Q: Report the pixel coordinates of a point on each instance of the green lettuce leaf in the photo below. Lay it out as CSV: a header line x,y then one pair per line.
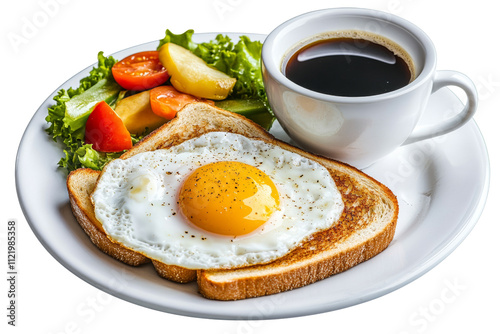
x,y
184,40
90,158
76,153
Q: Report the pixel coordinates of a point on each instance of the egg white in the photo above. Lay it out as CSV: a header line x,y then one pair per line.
x,y
136,200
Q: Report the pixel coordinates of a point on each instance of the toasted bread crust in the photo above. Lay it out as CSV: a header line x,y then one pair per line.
x,y
214,285
174,273
366,227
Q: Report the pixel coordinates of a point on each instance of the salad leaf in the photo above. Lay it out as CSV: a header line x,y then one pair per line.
x,y
184,40
246,67
91,158
79,107
62,127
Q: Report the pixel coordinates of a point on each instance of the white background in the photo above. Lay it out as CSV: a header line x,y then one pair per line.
x,y
65,37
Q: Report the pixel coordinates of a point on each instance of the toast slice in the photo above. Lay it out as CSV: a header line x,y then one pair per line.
x,y
366,227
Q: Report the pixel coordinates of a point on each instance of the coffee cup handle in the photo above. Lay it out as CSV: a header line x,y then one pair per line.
x,y
443,79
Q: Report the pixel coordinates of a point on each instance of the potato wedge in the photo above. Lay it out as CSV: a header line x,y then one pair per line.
x,y
190,74
135,112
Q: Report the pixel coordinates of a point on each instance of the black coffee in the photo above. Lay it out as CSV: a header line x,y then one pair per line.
x,y
348,67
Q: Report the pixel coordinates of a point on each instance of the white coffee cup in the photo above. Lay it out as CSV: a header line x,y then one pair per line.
x,y
358,130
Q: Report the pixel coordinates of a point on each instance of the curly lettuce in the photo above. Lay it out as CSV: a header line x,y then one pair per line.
x,y
67,127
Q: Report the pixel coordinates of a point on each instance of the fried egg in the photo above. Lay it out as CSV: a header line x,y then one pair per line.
x,y
220,200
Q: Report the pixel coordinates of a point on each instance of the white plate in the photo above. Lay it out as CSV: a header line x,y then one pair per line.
x,y
441,185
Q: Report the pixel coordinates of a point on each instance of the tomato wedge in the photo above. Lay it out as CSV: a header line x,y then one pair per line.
x,y
140,71
166,101
106,131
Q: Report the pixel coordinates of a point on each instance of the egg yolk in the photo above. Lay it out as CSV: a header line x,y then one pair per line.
x,y
228,198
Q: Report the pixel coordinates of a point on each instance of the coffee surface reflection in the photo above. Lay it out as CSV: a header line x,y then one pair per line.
x,y
348,67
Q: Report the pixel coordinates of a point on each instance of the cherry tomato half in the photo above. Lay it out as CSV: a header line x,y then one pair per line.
x,y
166,101
140,71
106,131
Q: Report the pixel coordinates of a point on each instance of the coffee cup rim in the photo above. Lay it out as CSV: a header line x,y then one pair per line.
x,y
412,29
